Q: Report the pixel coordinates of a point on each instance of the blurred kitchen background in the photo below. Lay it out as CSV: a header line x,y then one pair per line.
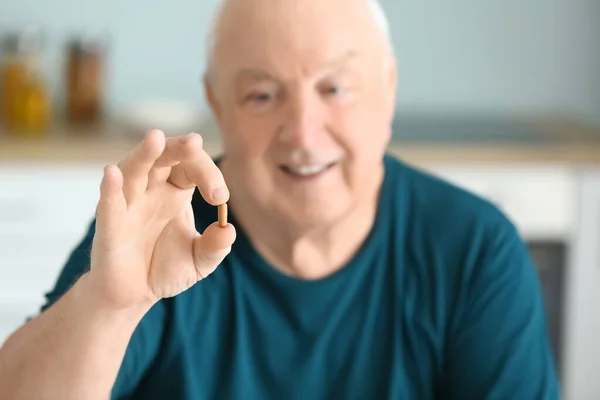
x,y
502,98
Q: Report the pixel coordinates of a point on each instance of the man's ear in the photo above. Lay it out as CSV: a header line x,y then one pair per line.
x,y
209,86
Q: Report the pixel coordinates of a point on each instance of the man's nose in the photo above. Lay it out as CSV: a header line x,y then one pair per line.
x,y
304,122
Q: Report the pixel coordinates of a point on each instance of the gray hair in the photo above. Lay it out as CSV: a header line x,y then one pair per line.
x,y
374,6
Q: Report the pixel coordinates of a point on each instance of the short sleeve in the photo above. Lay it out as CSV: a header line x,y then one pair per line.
x,y
498,346
78,263
146,339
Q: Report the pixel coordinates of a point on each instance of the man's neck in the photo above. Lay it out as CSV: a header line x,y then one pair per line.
x,y
317,253
307,253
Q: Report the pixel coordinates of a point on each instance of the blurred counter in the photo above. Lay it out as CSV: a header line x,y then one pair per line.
x,y
417,141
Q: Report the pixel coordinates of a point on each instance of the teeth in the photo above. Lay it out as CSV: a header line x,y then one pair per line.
x,y
307,169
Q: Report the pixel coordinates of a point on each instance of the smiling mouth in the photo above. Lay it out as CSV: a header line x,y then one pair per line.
x,y
306,171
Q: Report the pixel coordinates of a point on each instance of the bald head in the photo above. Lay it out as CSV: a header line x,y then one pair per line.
x,y
239,7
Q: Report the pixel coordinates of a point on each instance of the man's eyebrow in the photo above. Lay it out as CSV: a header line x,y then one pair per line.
x,y
259,74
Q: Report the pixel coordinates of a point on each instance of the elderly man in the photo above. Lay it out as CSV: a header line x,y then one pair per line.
x,y
348,275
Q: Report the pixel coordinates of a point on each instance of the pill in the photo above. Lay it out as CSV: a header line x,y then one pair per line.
x,y
223,215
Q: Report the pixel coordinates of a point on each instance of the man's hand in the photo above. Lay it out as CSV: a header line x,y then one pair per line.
x,y
146,246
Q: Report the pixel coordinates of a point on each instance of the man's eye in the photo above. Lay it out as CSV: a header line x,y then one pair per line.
x,y
260,97
332,90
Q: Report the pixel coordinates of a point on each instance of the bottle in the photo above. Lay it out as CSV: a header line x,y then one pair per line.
x,y
24,100
13,71
33,114
84,80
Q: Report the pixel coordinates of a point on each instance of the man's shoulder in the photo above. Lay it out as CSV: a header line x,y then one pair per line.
x,y
439,211
473,272
454,236
430,194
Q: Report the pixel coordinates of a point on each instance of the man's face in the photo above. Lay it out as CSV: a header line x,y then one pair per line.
x,y
304,96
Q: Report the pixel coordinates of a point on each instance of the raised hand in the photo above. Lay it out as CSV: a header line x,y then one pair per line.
x,y
146,246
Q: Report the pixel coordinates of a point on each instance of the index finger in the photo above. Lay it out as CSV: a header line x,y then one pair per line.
x,y
203,173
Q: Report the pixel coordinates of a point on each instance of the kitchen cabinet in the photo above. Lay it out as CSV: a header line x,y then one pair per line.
x,y
44,211
550,258
582,316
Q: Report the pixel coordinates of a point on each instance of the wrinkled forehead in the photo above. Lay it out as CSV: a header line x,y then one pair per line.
x,y
294,37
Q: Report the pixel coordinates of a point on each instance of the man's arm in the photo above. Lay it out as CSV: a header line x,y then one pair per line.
x,y
145,248
74,348
71,351
498,346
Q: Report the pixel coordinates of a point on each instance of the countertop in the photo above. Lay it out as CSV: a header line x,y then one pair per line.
x,y
419,141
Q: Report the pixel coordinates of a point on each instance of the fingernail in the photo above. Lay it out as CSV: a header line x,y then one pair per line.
x,y
186,138
220,194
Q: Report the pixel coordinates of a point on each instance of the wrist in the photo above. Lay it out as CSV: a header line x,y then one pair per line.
x,y
97,304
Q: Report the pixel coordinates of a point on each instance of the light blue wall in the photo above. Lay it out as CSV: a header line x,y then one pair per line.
x,y
157,45
512,55
454,56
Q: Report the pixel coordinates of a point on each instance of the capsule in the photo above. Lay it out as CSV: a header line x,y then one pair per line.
x,y
222,215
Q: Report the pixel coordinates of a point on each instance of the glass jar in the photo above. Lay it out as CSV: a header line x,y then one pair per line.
x,y
24,100
84,80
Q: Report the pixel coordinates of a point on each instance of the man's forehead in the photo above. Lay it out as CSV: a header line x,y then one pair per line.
x,y
263,40
267,72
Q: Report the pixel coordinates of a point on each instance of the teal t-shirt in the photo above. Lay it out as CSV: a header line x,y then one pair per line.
x,y
441,302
